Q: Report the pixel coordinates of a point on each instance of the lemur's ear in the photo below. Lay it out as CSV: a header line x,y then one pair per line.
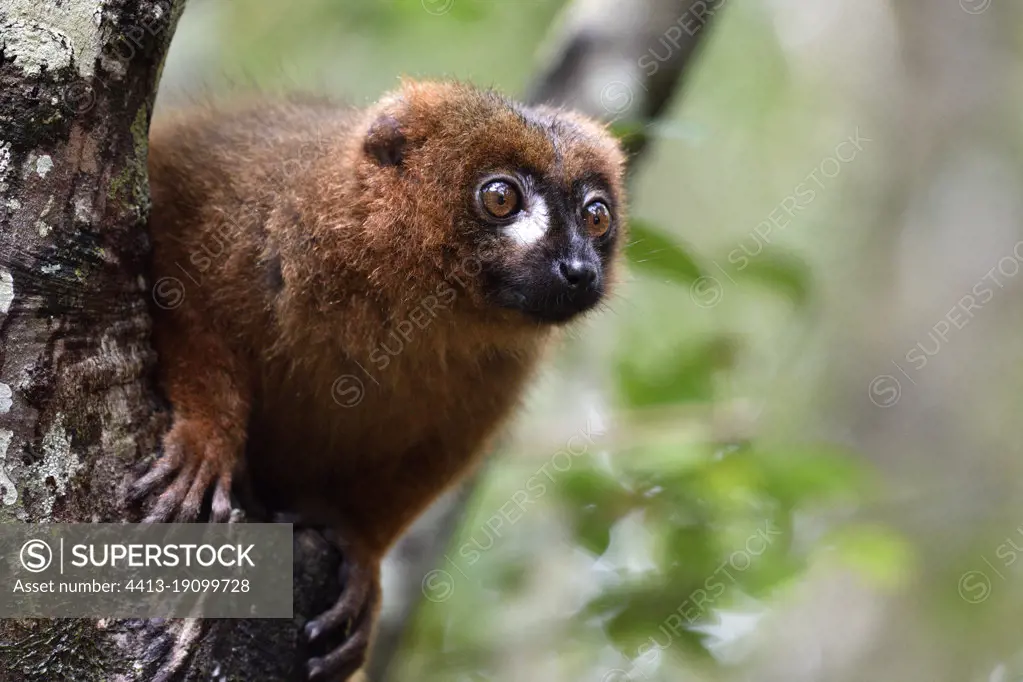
x,y
385,141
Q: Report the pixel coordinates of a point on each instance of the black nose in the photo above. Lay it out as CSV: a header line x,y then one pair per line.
x,y
578,274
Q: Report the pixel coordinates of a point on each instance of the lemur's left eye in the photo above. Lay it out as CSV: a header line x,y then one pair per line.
x,y
500,199
597,217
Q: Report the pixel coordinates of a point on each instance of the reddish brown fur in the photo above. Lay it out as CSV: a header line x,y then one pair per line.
x,y
247,196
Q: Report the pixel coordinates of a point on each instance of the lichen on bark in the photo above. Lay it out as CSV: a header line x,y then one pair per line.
x,y
77,405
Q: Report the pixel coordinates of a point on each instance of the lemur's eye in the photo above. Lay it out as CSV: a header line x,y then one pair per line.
x,y
500,199
597,217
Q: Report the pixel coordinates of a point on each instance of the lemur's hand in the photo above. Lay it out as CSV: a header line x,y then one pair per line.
x,y
350,621
198,463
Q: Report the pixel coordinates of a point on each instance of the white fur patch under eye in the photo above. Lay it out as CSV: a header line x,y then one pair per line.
x,y
531,225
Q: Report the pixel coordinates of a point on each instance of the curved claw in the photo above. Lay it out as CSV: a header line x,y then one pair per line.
x,y
155,478
170,500
342,662
351,617
220,511
194,464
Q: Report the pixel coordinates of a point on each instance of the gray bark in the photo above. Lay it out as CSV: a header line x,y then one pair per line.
x,y
78,410
76,402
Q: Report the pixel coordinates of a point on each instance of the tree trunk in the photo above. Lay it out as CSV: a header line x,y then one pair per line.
x,y
78,408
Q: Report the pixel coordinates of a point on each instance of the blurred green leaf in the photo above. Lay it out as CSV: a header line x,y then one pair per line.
x,y
651,251
685,378
585,486
665,462
690,552
627,130
784,273
804,474
593,530
878,553
594,500
655,617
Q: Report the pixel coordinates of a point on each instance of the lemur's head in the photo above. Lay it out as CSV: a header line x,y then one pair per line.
x,y
526,204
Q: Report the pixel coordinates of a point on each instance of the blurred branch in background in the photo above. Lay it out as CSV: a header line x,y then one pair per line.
x,y
621,62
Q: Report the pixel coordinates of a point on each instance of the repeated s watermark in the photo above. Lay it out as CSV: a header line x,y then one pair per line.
x,y
439,584
697,605
708,290
618,96
349,389
976,585
885,390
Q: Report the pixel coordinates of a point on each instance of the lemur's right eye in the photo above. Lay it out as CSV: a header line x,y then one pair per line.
x,y
500,199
